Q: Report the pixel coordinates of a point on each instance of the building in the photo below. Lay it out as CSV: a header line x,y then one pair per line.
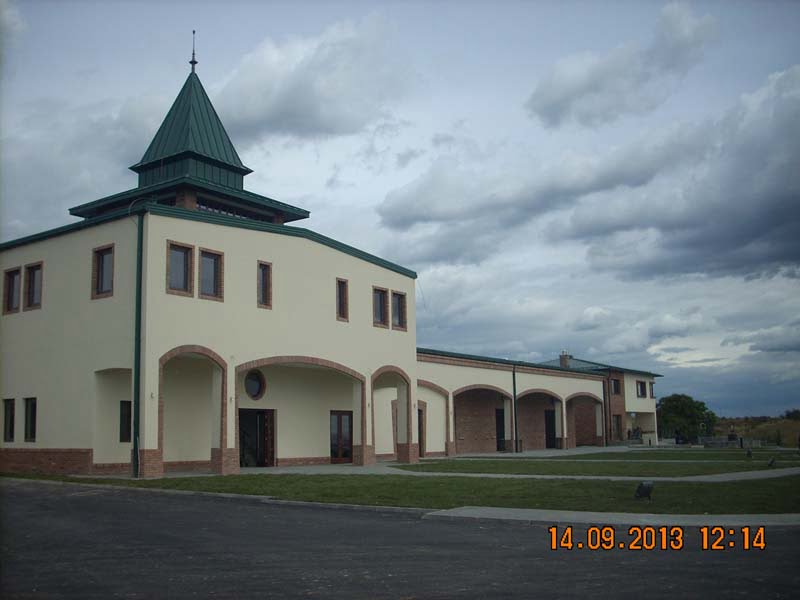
x,y
184,325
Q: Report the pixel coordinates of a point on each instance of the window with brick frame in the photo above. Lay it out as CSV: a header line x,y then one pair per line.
x,y
33,285
212,275
399,320
342,300
616,386
103,272
264,284
8,420
180,269
380,307
641,389
12,285
125,421
652,390
30,419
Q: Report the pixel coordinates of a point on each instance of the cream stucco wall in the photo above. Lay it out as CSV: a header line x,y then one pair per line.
x,y
111,387
435,426
52,353
303,399
634,404
302,320
384,440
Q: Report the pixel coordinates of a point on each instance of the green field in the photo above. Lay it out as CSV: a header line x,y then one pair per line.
x,y
781,495
523,466
759,454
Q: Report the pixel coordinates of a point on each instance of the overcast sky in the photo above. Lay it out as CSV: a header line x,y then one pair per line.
x,y
617,179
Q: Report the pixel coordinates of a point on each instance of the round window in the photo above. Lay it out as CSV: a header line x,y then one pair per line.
x,y
254,384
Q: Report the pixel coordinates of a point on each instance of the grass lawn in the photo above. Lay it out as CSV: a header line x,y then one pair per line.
x,y
759,454
781,495
523,466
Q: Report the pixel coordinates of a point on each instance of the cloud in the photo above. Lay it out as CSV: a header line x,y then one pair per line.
x,y
11,20
336,83
403,159
783,338
593,317
592,89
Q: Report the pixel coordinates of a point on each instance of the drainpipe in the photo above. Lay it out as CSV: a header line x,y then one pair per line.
x,y
137,342
514,406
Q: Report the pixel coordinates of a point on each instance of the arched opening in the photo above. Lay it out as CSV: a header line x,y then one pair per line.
x,y
433,420
395,418
191,433
539,419
584,420
299,410
483,418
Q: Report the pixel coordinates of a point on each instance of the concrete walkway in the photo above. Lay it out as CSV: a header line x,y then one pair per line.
x,y
390,469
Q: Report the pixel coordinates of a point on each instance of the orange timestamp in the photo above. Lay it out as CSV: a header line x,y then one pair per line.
x,y
646,537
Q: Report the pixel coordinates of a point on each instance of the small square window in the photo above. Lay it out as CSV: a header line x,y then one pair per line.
x,y
641,389
180,259
103,272
11,289
211,275
125,421
30,419
33,286
398,311
8,420
342,300
264,285
616,387
380,307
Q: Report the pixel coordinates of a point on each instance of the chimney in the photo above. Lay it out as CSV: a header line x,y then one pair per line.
x,y
563,359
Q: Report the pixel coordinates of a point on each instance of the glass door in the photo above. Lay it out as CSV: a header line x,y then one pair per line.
x,y
341,436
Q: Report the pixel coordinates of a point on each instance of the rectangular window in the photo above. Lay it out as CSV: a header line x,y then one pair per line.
x,y
652,390
103,272
380,307
30,419
615,386
180,265
211,275
11,288
641,389
33,286
125,421
398,310
342,300
264,284
8,420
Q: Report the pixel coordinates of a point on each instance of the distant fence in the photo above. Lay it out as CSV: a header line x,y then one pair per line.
x,y
724,442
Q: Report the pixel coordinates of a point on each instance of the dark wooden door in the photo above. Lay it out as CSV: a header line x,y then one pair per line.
x,y
500,427
341,436
269,438
256,437
549,429
421,432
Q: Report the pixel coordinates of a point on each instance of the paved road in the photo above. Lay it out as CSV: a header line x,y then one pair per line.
x,y
82,542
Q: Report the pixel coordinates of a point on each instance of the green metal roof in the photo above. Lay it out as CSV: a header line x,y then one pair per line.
x,y
588,365
196,215
501,361
90,209
192,125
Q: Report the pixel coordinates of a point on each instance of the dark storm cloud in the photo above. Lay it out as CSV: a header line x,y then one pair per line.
x,y
592,89
336,83
784,338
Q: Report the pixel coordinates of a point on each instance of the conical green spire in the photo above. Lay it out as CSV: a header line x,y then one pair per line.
x,y
191,130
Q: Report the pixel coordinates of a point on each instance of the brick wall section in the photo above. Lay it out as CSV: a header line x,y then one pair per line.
x,y
475,420
582,427
303,461
616,404
53,461
530,415
408,453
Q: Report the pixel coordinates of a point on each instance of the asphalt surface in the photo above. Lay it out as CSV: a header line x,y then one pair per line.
x,y
83,542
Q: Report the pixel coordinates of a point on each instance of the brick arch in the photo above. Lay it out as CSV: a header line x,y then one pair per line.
x,y
407,452
362,455
222,458
432,386
539,391
584,395
304,360
481,386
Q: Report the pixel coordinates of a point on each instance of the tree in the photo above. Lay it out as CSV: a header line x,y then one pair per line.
x,y
793,414
682,415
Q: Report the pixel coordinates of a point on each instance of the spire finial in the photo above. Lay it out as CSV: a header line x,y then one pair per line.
x,y
193,62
